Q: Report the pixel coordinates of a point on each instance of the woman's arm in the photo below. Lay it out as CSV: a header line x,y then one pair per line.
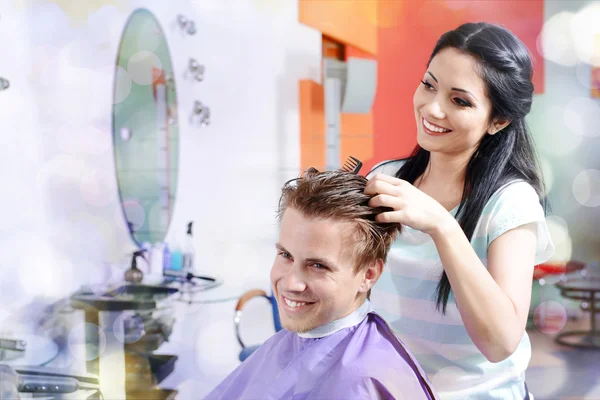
x,y
493,302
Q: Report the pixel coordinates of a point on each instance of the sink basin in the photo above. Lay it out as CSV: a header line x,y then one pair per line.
x,y
124,297
142,290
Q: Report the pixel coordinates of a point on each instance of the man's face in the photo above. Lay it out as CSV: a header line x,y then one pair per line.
x,y
313,274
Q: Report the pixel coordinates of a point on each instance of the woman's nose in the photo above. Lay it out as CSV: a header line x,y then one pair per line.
x,y
435,109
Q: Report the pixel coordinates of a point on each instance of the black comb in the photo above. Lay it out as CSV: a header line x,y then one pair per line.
x,y
352,165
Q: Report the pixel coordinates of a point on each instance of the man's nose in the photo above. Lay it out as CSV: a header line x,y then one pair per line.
x,y
294,280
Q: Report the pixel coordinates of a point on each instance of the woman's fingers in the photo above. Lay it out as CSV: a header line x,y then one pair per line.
x,y
386,178
375,187
390,217
385,200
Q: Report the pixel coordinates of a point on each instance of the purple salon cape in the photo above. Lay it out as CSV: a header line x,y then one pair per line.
x,y
356,357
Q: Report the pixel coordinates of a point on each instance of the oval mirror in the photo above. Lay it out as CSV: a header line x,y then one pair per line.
x,y
145,128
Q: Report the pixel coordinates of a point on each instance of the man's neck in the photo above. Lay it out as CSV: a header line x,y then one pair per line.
x,y
352,319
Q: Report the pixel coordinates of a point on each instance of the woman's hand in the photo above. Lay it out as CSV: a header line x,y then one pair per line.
x,y
410,206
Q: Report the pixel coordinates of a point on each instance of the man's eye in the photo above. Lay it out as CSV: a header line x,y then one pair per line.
x,y
319,266
285,254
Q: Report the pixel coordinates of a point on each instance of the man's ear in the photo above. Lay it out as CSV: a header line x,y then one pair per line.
x,y
371,275
497,125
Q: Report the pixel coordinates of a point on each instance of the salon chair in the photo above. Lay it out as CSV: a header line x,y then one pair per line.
x,y
248,350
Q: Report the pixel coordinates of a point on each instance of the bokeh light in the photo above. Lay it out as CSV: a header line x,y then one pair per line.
x,y
122,85
568,38
558,140
586,188
135,213
582,117
585,31
78,346
550,317
555,42
558,228
141,65
128,327
559,234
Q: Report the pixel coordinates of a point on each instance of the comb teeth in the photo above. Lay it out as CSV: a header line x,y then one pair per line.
x,y
352,165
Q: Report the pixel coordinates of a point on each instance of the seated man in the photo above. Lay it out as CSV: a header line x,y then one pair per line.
x,y
330,254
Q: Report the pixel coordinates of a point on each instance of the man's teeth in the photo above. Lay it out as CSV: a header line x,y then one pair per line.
x,y
293,303
434,128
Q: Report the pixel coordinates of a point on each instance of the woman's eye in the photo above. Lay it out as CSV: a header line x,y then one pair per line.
x,y
427,85
461,102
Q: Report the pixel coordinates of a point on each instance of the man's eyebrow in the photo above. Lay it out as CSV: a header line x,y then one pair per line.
x,y
313,260
278,246
325,261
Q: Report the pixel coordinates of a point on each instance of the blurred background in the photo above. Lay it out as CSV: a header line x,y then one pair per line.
x,y
170,127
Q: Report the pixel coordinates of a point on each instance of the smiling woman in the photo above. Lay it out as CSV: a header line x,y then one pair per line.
x,y
452,102
458,283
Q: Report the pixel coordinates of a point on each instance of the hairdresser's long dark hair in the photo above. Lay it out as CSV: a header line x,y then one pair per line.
x,y
506,68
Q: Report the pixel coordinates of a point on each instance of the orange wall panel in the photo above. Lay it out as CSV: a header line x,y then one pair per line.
x,y
349,21
357,137
312,125
356,130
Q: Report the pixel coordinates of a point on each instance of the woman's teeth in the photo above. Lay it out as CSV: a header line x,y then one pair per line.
x,y
433,127
293,303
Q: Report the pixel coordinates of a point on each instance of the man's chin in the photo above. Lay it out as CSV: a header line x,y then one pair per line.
x,y
299,326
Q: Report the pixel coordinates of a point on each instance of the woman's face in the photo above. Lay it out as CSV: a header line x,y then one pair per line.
x,y
452,109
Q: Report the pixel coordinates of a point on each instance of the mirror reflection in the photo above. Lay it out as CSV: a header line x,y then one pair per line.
x,y
145,128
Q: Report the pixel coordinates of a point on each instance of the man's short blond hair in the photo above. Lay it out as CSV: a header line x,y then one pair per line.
x,y
340,196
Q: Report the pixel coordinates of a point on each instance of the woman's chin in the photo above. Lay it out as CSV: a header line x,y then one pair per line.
x,y
426,143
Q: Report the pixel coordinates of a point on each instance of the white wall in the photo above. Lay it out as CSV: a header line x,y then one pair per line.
x,y
62,222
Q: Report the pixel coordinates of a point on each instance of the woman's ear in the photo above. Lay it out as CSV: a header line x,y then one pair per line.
x,y
497,125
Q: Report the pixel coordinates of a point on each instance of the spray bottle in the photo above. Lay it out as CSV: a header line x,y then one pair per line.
x,y
188,250
133,274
